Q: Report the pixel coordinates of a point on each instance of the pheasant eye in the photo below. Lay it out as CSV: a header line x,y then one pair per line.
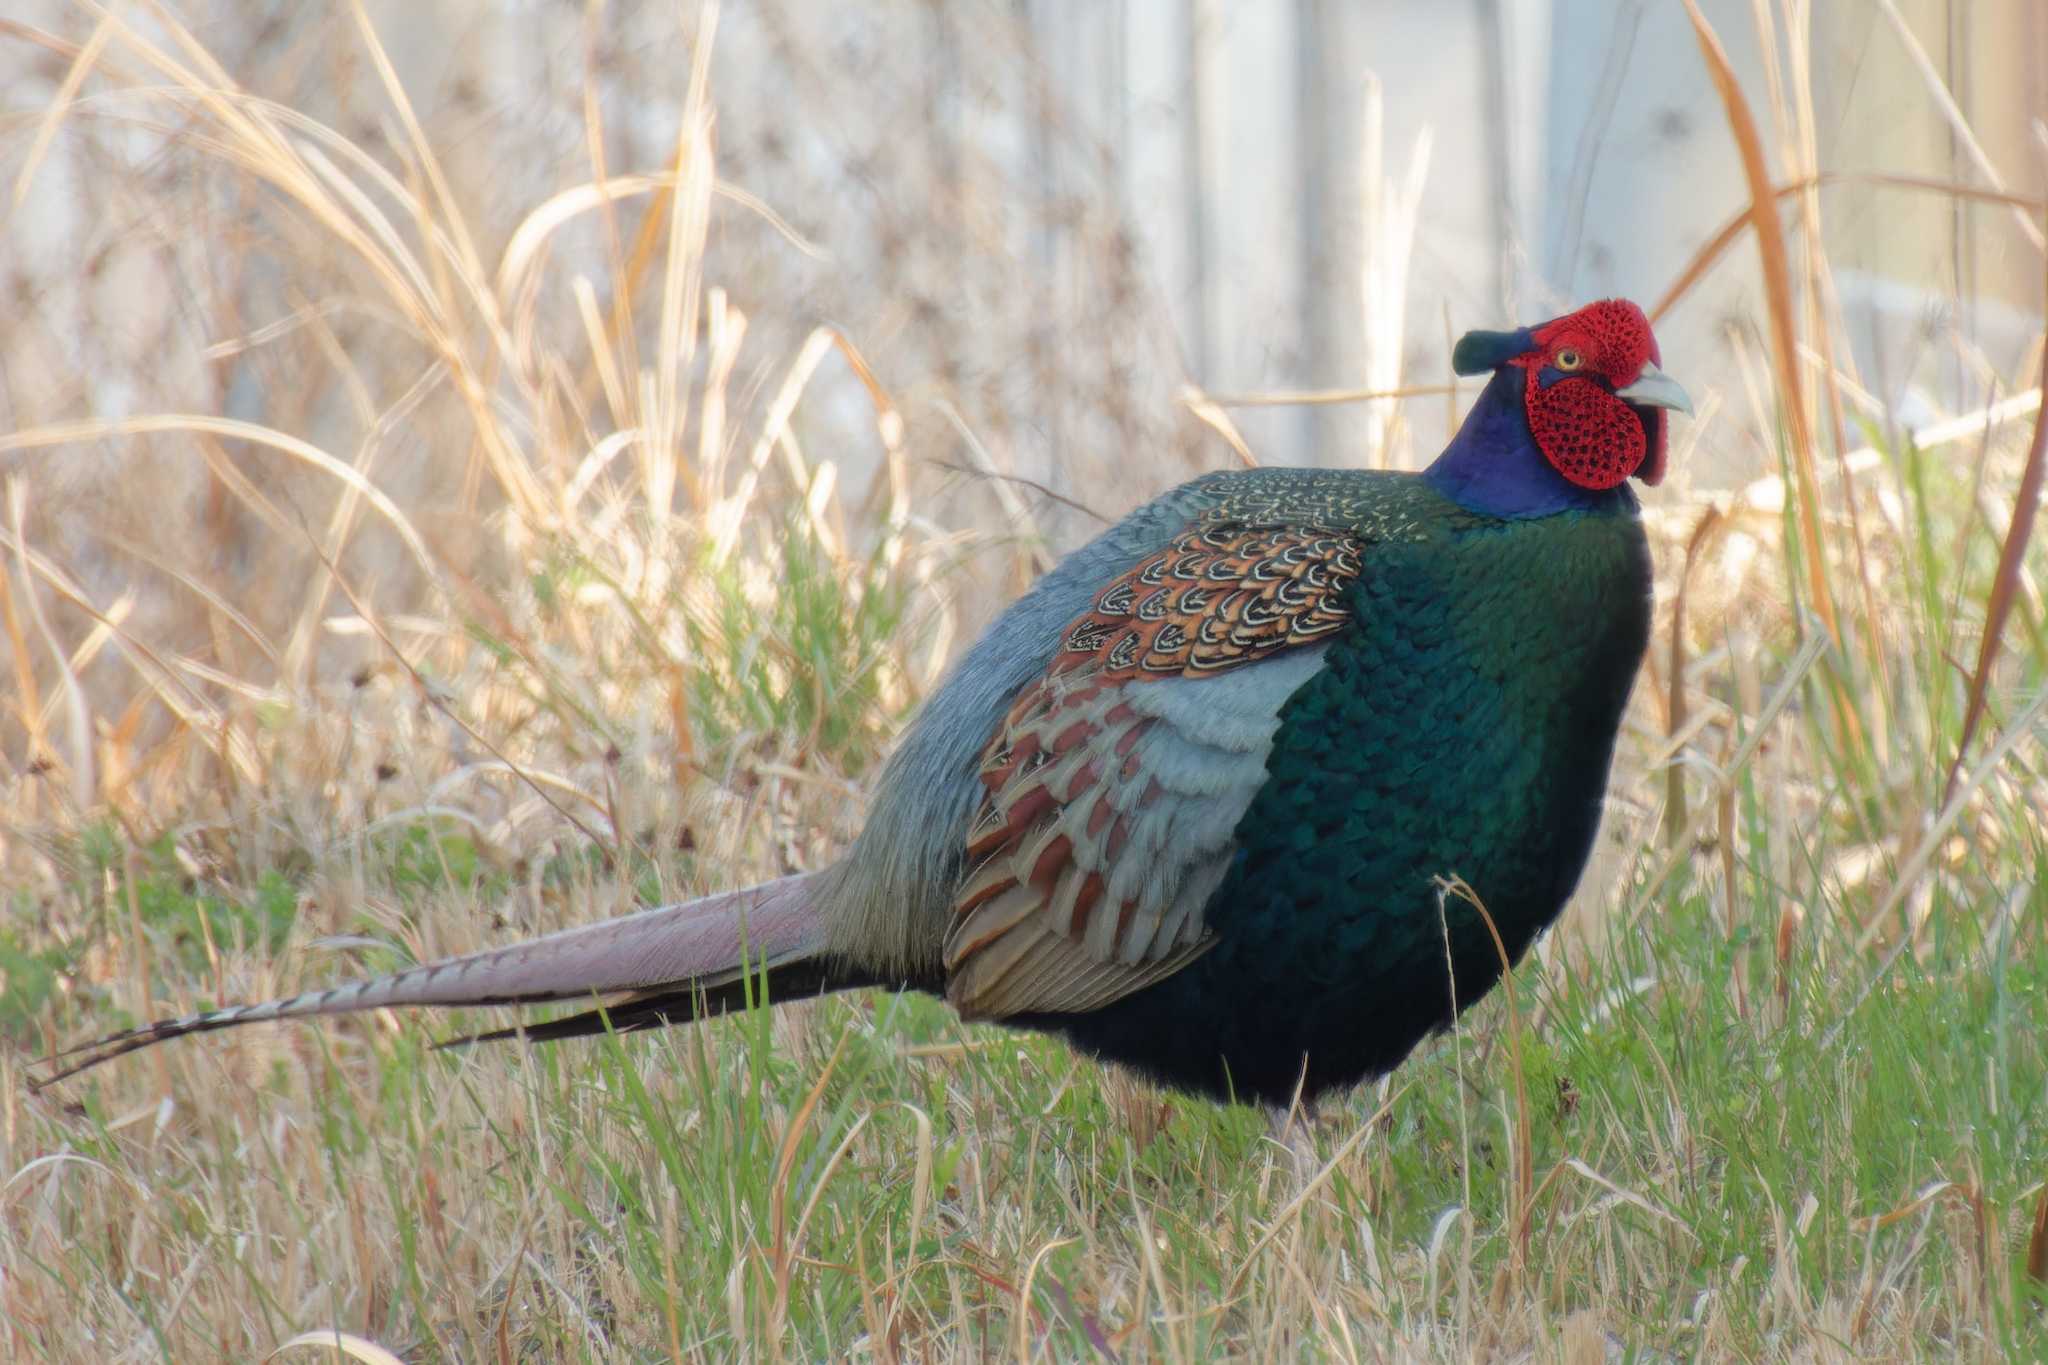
x,y
1569,359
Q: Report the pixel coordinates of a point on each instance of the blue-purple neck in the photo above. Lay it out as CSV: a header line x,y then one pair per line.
x,y
1492,465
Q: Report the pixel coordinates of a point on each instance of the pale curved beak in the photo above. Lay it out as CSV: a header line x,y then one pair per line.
x,y
1656,389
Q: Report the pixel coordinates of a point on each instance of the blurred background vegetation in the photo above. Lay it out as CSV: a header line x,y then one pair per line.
x,y
471,469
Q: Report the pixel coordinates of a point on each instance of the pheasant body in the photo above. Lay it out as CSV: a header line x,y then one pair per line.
x,y
1464,727
1191,801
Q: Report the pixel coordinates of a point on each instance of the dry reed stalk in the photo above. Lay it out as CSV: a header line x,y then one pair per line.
x,y
1770,239
1804,140
1952,114
1676,719
2004,585
1725,236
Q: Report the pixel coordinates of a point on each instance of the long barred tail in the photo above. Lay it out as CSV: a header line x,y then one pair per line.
x,y
661,959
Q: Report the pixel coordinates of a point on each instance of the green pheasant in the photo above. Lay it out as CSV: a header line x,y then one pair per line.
x,y
1188,802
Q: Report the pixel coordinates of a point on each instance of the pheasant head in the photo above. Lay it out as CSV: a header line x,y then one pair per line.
x,y
1577,406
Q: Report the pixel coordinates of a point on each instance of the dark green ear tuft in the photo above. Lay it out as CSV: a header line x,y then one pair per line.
x,y
1481,352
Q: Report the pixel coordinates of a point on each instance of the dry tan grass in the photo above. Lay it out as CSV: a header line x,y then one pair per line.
x,y
355,497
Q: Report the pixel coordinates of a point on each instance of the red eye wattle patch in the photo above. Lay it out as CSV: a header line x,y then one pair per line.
x,y
1613,334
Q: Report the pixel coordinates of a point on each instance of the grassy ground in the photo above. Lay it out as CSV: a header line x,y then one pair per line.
x,y
1645,1166
1775,1089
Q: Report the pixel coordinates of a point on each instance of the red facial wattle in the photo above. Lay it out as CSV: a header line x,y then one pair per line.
x,y
1588,434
